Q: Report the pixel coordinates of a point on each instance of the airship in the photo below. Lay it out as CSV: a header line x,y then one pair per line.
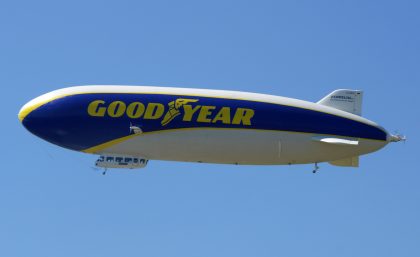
x,y
129,125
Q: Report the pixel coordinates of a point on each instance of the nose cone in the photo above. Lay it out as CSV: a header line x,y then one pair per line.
x,y
53,119
60,117
32,105
28,113
37,116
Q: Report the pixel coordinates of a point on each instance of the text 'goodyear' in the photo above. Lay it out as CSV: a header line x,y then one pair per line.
x,y
190,111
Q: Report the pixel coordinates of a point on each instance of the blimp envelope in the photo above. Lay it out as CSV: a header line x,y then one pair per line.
x,y
127,123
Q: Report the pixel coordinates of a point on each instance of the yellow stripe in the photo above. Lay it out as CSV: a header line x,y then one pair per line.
x,y
98,148
30,108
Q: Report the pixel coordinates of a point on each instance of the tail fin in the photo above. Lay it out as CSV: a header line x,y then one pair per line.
x,y
344,99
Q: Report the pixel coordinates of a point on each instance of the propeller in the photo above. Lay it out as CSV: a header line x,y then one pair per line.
x,y
135,129
397,137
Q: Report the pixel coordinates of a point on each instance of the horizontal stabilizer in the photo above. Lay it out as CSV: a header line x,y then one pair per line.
x,y
336,141
344,99
349,162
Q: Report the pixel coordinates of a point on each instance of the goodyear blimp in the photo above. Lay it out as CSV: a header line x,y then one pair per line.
x,y
129,125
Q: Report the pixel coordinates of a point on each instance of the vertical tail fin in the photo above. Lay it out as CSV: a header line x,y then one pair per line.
x,y
344,99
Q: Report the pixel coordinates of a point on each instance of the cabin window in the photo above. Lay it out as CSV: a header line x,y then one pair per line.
x,y
109,159
135,160
118,159
128,160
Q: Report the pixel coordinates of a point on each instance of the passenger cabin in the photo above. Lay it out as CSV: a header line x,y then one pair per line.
x,y
123,162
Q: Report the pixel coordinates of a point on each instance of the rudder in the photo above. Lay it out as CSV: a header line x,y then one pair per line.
x,y
344,99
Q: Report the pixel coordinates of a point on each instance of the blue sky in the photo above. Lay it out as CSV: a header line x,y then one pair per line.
x,y
54,204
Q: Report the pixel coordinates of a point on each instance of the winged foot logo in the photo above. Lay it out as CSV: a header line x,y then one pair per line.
x,y
188,108
174,110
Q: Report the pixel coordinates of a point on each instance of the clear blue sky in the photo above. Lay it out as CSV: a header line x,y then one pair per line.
x,y
53,203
